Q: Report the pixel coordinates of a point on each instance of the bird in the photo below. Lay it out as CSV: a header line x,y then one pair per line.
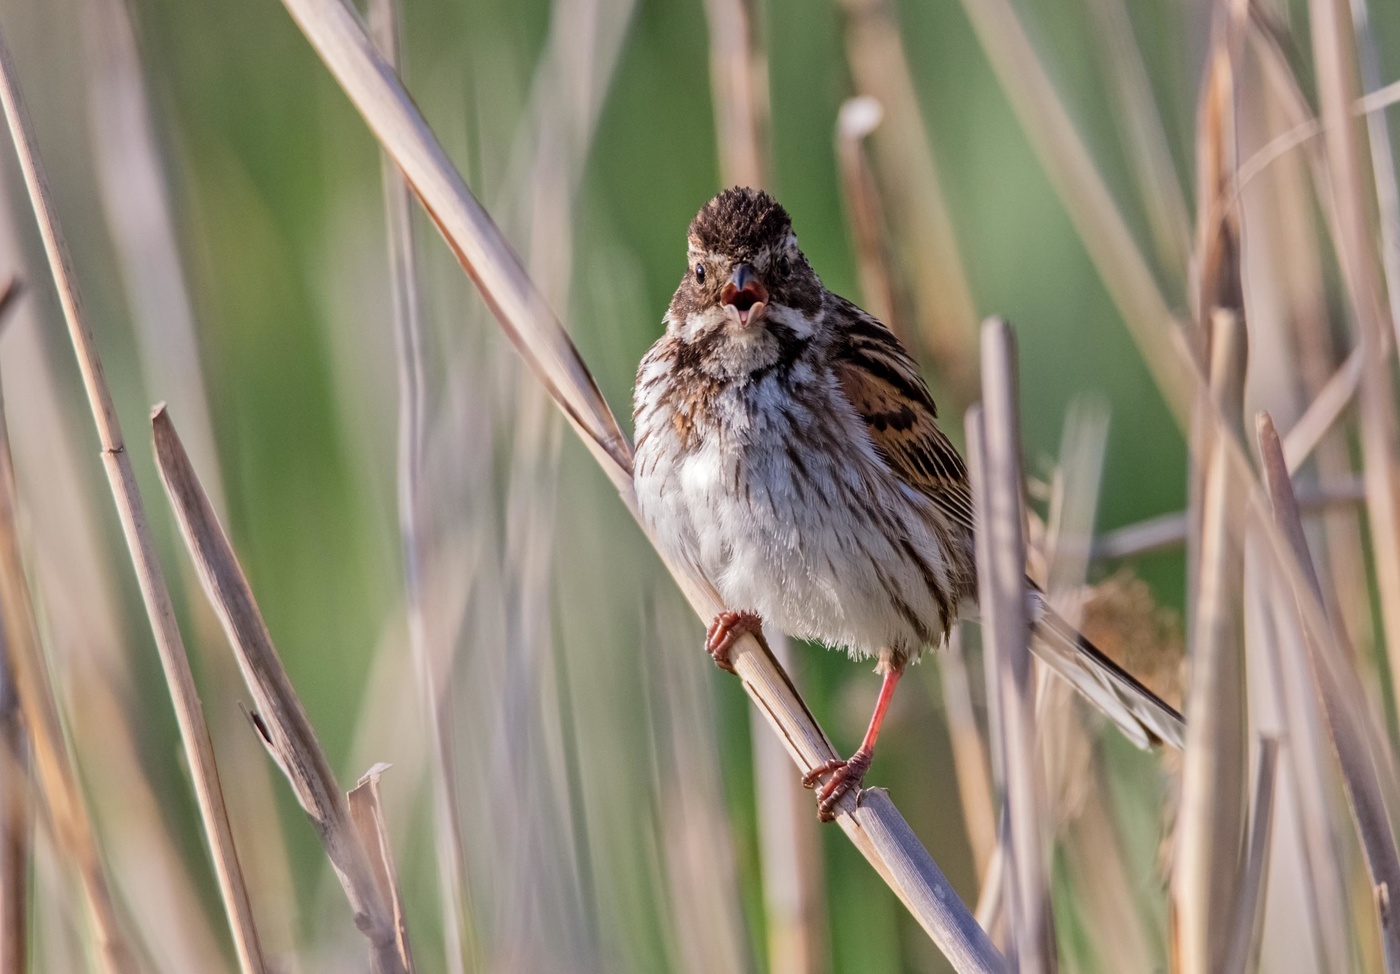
x,y
788,449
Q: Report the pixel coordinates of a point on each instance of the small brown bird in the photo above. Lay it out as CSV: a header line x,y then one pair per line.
x,y
788,449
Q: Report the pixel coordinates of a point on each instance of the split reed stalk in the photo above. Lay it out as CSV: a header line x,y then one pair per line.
x,y
278,715
194,733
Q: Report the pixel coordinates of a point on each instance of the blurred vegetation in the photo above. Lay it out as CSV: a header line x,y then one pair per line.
x,y
277,204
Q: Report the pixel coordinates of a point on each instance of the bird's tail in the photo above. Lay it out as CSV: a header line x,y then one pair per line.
x,y
1145,718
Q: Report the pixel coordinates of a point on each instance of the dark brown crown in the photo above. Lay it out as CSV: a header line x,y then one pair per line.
x,y
739,222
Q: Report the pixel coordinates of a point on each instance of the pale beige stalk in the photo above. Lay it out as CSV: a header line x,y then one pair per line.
x,y
1334,55
278,715
944,307
994,455
136,529
52,766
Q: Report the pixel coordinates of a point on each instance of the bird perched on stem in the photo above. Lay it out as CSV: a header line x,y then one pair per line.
x,y
788,448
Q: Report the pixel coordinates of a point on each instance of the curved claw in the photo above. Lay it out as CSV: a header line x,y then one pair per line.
x,y
845,775
724,630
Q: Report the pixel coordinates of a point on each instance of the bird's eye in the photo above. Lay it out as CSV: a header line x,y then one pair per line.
x,y
784,265
700,273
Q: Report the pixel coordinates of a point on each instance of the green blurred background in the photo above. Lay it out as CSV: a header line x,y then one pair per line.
x,y
570,642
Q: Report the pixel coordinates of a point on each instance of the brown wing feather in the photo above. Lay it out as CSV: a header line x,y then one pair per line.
x,y
882,382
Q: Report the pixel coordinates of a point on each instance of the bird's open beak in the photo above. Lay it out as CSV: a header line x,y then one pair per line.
x,y
744,297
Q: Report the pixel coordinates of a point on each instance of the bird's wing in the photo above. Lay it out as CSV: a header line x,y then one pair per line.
x,y
882,383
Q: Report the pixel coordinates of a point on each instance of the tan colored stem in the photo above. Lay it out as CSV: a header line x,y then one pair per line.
x,y
194,733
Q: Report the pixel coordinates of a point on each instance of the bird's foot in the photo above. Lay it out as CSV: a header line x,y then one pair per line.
x,y
726,628
845,775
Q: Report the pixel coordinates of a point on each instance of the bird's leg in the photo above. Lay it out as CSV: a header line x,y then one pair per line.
x,y
726,628
848,774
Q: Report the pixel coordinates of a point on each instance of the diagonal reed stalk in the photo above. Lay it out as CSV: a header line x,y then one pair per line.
x,y
873,824
1337,688
994,453
194,733
278,714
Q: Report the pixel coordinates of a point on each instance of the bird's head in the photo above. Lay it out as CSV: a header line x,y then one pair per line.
x,y
748,297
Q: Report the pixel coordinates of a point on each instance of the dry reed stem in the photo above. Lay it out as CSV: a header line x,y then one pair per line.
x,y
1077,792
194,733
1163,531
409,339
969,756
1210,829
53,766
137,209
994,451
739,82
368,817
1243,953
932,273
1336,77
1338,690
1088,202
1110,246
466,227
278,717
856,120
1382,161
16,812
1322,413
16,828
1312,781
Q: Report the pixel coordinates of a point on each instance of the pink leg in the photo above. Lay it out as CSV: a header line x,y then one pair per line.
x,y
725,629
846,775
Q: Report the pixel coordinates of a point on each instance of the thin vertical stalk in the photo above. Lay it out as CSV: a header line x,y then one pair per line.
x,y
194,733
384,16
739,80
1243,954
16,826
994,446
1382,161
969,756
53,767
1336,77
1206,875
942,301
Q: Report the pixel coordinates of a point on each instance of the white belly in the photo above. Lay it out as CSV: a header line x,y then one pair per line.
x,y
818,538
